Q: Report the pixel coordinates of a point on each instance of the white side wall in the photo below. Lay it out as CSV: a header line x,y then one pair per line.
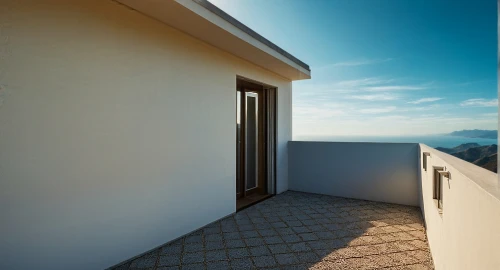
x,y
117,133
466,235
384,172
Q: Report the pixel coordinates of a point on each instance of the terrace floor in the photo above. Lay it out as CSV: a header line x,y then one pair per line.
x,y
297,230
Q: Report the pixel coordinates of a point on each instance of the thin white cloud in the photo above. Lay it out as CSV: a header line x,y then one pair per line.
x,y
363,82
361,62
392,117
378,110
467,83
339,87
424,100
314,89
479,102
375,97
422,108
394,87
367,84
315,113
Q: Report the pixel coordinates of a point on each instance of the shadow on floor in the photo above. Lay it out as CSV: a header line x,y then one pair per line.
x,y
297,230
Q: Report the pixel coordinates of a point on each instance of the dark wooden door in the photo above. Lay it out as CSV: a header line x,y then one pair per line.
x,y
250,142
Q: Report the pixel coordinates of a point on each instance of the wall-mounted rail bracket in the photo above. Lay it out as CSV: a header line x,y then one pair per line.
x,y
445,174
424,159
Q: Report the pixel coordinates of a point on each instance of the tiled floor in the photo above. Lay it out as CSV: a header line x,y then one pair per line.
x,y
302,231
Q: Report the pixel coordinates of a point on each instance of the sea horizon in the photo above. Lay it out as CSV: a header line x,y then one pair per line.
x,y
434,141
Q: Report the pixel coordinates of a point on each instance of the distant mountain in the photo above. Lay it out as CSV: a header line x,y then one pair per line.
x,y
459,148
483,156
475,153
476,133
489,162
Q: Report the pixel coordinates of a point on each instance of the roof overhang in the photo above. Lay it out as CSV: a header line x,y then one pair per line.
x,y
204,21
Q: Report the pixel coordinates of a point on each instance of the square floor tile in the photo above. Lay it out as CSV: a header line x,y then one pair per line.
x,y
221,265
273,240
196,257
235,243
169,260
287,258
309,257
252,242
216,255
244,263
237,253
214,245
264,261
259,251
249,234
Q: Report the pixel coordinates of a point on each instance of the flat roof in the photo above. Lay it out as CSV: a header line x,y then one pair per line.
x,y
206,22
230,19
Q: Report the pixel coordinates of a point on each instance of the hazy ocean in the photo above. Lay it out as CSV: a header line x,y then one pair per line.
x,y
430,140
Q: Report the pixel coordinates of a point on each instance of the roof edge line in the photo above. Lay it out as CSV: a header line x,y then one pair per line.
x,y
219,12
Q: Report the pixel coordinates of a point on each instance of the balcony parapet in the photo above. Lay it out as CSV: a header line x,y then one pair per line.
x,y
384,172
463,229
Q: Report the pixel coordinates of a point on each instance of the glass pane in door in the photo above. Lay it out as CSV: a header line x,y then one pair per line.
x,y
238,141
251,139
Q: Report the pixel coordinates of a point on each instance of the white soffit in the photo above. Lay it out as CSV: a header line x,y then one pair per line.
x,y
203,20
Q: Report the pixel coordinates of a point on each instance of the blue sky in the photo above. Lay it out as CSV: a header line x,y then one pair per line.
x,y
384,67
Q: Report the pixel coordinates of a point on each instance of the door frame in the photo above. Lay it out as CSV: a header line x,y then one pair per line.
x,y
267,102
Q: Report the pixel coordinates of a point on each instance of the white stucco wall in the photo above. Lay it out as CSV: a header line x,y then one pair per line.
x,y
384,172
117,133
466,235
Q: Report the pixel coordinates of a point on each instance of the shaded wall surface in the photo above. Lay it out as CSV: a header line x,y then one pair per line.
x,y
117,133
385,172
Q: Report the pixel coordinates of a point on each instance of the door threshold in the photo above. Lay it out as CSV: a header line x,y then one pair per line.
x,y
250,200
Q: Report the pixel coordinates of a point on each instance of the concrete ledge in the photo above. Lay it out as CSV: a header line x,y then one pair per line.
x,y
485,179
463,234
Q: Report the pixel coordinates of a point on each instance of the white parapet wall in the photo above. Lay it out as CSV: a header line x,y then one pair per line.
x,y
466,233
385,172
